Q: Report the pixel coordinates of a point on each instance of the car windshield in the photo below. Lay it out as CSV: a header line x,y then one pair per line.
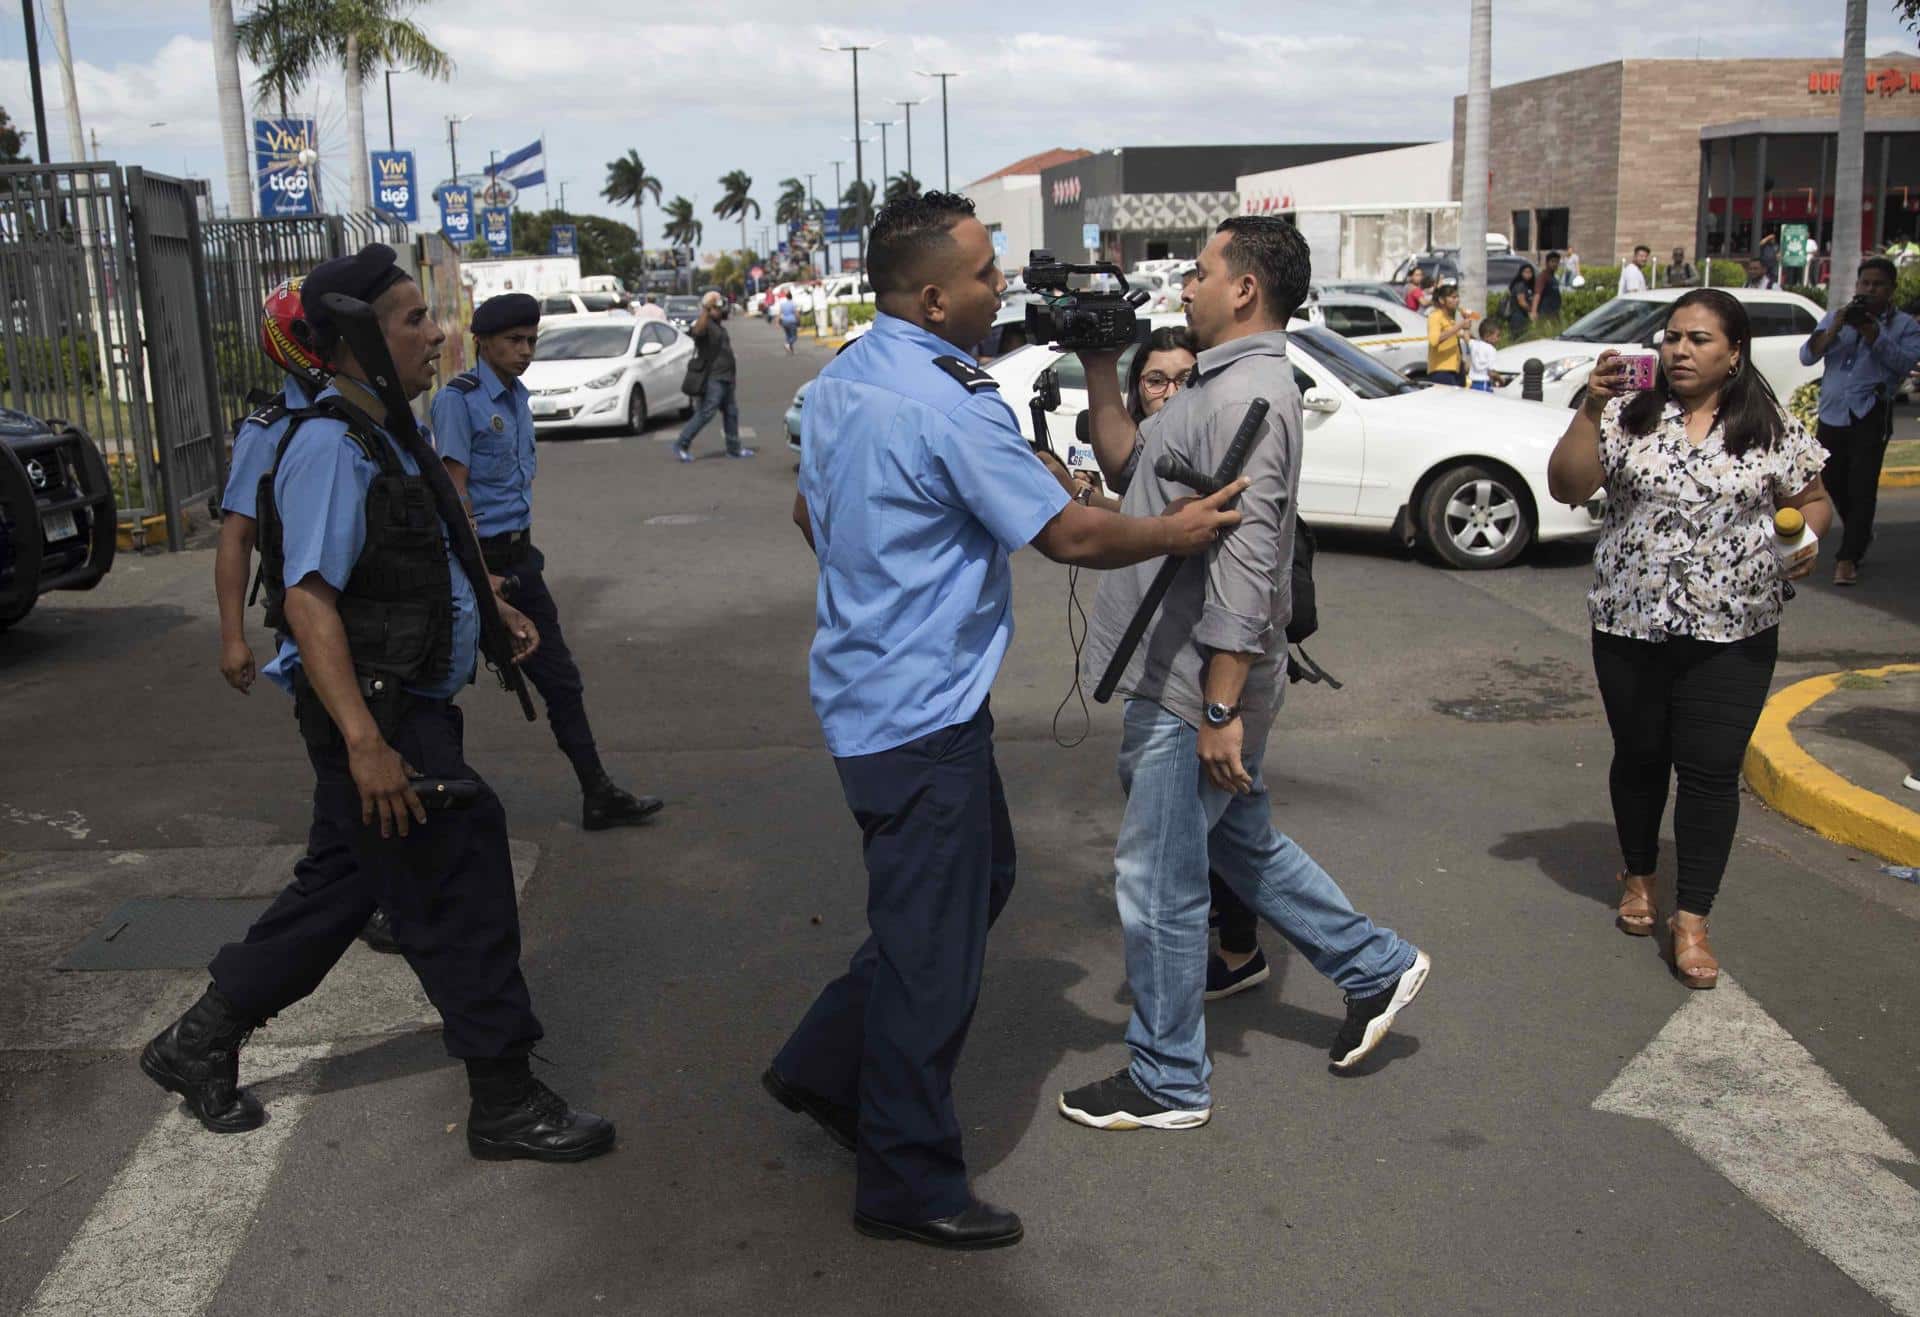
x,y
683,306
581,342
1366,375
599,301
1623,320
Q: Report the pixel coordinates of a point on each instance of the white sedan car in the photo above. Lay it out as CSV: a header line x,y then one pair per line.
x,y
1781,323
1392,333
1462,473
606,371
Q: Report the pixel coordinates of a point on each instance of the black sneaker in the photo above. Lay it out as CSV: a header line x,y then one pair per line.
x,y
378,935
1116,1103
1224,982
1369,1018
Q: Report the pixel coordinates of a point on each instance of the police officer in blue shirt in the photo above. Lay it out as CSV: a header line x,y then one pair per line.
x,y
915,486
378,627
483,424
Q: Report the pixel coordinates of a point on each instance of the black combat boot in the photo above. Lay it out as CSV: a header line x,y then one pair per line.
x,y
378,934
607,806
198,1057
516,1116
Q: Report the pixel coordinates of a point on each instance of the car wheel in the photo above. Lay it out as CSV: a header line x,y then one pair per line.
x,y
8,619
637,411
1475,519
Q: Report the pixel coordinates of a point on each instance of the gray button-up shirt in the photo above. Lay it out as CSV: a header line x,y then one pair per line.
x,y
1239,596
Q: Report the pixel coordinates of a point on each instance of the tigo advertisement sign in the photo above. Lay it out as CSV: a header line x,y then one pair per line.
x,y
284,160
496,226
456,213
566,240
393,186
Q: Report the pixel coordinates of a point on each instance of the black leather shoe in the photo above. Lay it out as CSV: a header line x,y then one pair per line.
x,y
378,935
980,1226
842,1124
538,1126
607,806
198,1057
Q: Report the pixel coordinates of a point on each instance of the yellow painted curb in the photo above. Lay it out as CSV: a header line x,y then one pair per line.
x,y
1900,477
1799,786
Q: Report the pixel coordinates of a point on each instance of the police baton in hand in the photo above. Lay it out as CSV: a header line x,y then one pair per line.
x,y
1172,468
360,330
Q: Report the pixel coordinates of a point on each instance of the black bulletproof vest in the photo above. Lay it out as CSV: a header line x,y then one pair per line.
x,y
398,604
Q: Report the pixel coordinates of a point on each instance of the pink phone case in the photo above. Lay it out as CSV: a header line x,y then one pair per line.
x,y
1640,370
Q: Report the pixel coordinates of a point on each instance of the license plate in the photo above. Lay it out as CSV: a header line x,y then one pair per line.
x,y
544,406
59,526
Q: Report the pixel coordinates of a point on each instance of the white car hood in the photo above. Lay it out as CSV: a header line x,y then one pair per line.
x,y
1473,411
1510,360
570,374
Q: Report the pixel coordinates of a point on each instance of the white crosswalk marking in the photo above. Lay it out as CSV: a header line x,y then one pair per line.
x,y
1737,1089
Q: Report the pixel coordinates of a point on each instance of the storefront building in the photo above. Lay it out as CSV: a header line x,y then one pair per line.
x,y
1008,201
1141,203
1708,156
1362,214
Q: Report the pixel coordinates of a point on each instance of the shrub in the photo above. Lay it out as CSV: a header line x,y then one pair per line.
x,y
1805,405
859,313
1816,293
52,364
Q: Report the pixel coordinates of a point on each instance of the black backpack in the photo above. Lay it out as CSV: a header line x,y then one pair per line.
x,y
1305,620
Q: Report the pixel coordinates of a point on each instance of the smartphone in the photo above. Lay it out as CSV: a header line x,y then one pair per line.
x,y
1640,370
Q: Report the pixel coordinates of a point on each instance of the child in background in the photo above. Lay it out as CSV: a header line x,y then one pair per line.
x,y
1480,350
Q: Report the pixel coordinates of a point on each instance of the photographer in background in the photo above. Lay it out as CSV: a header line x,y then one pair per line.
x,y
1868,348
718,376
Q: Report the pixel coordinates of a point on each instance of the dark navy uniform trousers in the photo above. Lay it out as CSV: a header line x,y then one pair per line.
x,y
885,1036
552,669
447,887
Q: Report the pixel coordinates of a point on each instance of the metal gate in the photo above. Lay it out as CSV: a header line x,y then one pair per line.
x,y
174,317
69,317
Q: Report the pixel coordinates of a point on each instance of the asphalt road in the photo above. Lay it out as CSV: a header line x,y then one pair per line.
x,y
1456,787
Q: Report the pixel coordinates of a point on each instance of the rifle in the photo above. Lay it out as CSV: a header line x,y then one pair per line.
x,y
360,330
1171,468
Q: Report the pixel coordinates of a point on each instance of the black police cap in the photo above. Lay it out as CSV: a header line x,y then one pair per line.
x,y
497,315
365,275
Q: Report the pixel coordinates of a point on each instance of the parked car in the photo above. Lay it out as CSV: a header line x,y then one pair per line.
x,y
57,521
1443,266
1392,333
682,310
1461,473
1379,290
1162,287
832,291
582,303
609,372
1781,323
794,409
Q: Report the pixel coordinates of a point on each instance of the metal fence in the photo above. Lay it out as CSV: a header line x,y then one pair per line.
x,y
70,333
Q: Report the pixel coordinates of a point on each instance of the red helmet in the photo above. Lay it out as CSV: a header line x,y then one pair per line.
x,y
284,334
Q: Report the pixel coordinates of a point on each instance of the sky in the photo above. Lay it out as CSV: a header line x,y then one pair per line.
x,y
699,90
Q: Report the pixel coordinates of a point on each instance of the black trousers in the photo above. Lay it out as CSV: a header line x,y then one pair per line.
x,y
447,887
552,669
1683,709
885,1036
1239,925
1852,476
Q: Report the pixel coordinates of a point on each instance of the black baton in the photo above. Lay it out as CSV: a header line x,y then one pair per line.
x,y
1227,472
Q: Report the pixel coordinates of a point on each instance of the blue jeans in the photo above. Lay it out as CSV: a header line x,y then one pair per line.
x,y
1176,824
792,331
719,397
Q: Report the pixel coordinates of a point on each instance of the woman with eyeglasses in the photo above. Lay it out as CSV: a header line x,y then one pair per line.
x,y
1161,368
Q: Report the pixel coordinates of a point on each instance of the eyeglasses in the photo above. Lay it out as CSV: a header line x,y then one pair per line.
x,y
1157,383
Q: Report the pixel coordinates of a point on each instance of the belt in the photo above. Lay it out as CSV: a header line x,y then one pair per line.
x,y
507,549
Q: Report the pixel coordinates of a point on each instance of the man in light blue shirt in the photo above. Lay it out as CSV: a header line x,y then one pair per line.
x,y
1868,348
915,486
483,424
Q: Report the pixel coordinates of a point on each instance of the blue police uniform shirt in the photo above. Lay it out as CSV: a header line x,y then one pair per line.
x,y
254,446
489,430
1859,375
320,493
918,487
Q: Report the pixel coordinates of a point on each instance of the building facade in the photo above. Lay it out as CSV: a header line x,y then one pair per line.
x,y
1008,202
1140,203
1707,156
1362,214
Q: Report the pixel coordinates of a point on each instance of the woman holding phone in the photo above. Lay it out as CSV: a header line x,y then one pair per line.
x,y
1687,592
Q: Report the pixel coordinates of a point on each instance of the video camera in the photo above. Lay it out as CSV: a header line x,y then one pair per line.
x,y
1079,320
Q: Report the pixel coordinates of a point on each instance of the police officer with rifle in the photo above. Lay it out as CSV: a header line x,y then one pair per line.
x,y
380,600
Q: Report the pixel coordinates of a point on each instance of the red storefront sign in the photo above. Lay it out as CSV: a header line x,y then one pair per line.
x,y
1887,82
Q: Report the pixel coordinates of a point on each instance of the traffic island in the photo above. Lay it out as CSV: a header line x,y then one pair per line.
x,y
1831,752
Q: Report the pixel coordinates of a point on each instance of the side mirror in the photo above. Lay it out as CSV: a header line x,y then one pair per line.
x,y
1324,401
651,349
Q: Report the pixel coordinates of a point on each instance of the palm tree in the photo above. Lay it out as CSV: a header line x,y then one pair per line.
x,y
1473,168
902,186
856,207
294,39
1850,152
791,208
233,109
628,180
734,201
682,229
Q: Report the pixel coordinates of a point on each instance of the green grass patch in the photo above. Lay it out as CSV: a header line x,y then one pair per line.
x,y
1903,452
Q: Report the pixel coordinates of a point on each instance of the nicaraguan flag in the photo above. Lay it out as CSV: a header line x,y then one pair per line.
x,y
525,168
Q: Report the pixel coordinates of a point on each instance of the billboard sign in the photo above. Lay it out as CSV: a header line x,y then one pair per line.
x,y
566,240
394,192
456,213
496,226
284,165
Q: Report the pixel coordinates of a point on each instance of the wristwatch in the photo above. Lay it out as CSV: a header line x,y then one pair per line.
x,y
1219,715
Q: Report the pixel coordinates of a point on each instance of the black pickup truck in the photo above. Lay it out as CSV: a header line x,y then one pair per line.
x,y
57,523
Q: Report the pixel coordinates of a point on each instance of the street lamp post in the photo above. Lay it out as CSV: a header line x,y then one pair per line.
x,y
839,199
883,125
453,152
866,211
908,107
946,154
859,162
389,80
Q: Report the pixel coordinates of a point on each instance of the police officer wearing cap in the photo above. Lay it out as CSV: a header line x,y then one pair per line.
x,y
378,625
483,424
915,486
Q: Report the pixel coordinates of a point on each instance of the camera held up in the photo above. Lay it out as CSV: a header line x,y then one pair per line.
x,y
1079,319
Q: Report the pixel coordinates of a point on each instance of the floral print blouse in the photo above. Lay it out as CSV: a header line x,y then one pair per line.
x,y
1687,546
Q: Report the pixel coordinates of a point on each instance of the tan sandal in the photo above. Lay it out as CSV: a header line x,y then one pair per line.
x,y
1693,959
1634,915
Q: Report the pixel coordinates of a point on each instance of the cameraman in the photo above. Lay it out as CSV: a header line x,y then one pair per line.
x,y
1868,348
1205,684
